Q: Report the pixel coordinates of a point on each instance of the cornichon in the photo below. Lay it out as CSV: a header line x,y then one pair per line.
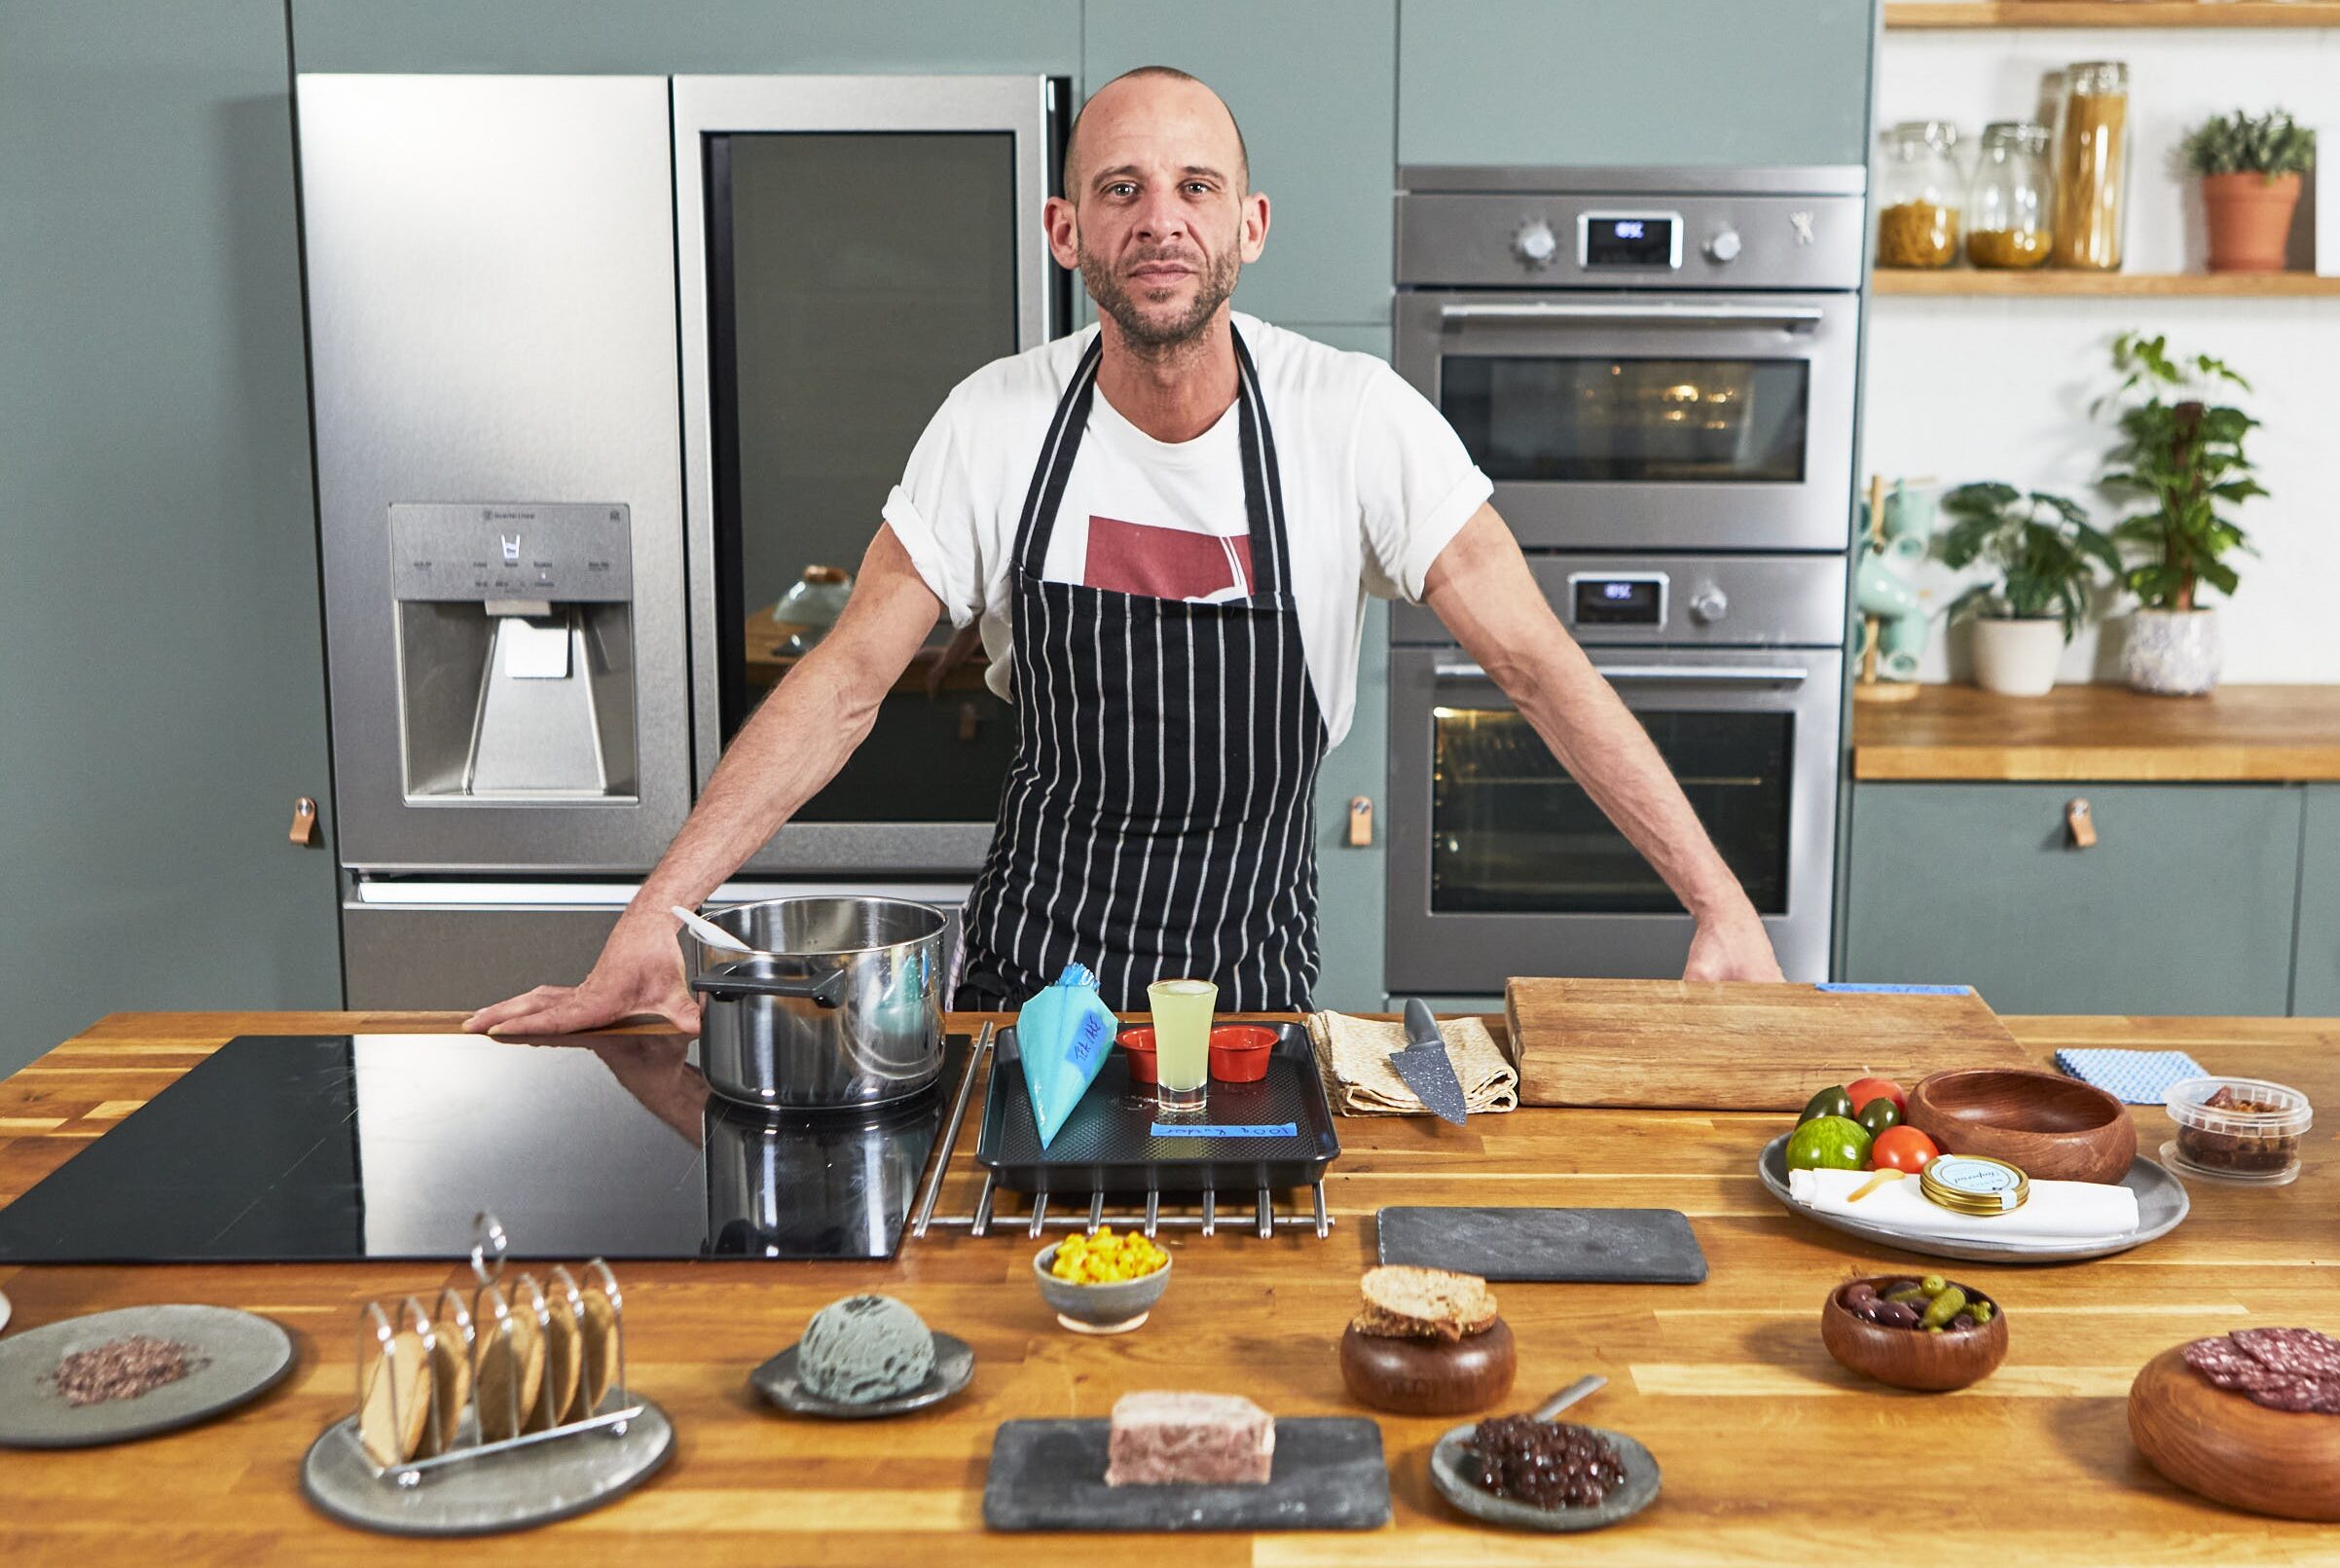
x,y
1944,1307
1908,1292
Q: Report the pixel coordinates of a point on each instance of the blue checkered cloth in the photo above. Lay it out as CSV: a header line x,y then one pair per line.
x,y
2135,1078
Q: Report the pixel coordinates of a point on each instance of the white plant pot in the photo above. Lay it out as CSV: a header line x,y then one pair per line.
x,y
2016,658
2172,653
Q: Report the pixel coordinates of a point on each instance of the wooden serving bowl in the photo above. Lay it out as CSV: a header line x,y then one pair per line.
x,y
1911,1358
2218,1443
1430,1376
2054,1128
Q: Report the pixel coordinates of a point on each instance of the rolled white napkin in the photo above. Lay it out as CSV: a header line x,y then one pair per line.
x,y
2056,1211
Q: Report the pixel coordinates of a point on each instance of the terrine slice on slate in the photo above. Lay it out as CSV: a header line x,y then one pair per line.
x,y
1161,1438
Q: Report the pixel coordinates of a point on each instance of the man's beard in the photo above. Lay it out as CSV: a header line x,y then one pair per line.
x,y
1153,332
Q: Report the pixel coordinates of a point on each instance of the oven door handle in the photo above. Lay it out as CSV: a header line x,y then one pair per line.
x,y
1680,674
1794,317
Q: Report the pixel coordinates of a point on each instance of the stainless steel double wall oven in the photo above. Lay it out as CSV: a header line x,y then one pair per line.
x,y
1658,368
612,378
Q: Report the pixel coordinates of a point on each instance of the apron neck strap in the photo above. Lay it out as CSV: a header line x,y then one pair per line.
x,y
1263,486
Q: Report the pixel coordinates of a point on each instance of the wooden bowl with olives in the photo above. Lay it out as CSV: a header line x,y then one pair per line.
x,y
1915,1332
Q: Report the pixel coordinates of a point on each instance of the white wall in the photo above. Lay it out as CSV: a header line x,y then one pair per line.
x,y
1981,388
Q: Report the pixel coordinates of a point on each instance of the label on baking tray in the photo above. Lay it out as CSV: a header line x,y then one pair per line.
x,y
1864,987
1174,1129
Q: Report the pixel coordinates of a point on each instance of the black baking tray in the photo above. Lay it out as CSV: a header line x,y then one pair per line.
x,y
1107,1144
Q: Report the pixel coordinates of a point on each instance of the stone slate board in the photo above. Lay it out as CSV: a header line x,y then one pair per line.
x,y
1582,1246
1329,1475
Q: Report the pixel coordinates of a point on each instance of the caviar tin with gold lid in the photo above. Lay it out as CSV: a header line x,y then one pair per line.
x,y
1972,1184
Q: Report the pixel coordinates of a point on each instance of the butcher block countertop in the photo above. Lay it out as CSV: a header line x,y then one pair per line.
x,y
2237,734
1770,1452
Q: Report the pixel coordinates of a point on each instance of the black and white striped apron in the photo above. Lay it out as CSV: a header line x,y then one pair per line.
x,y
1158,819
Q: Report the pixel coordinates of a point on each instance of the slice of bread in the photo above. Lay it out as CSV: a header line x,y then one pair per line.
x,y
1423,1303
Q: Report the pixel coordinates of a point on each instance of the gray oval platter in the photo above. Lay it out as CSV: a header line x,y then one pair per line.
x,y
513,1491
2161,1203
1454,1482
241,1356
777,1382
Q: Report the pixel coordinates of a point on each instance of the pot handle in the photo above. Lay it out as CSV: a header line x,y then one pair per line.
x,y
829,992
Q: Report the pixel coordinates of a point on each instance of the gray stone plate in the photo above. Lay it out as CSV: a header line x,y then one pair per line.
x,y
1448,1472
241,1356
2161,1203
954,1366
1329,1475
513,1491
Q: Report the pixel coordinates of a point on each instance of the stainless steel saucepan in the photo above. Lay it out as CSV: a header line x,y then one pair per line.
x,y
839,1003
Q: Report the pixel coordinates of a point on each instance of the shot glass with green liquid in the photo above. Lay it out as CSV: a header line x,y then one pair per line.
x,y
1182,1043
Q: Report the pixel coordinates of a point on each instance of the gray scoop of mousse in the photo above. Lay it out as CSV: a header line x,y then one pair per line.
x,y
864,1348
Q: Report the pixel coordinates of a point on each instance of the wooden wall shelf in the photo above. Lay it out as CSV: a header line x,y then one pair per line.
x,y
2052,284
1938,14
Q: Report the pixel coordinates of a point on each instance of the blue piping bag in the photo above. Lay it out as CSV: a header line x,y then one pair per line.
x,y
1063,1036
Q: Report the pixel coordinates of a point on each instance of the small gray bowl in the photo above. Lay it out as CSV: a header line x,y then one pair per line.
x,y
1114,1308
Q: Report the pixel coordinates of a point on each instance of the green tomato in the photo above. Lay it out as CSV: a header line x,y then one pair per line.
x,y
1828,1144
1878,1114
1830,1102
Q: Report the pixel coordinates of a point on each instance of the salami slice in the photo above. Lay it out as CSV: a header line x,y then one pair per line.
x,y
2299,1394
2301,1353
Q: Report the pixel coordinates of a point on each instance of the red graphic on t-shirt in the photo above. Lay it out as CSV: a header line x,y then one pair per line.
x,y
1158,562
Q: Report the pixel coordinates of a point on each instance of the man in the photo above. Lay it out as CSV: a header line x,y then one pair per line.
x,y
1165,529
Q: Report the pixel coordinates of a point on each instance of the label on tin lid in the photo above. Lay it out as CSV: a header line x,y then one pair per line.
x,y
1971,1183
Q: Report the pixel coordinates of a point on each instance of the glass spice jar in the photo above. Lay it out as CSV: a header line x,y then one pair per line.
x,y
1920,192
2008,206
2091,167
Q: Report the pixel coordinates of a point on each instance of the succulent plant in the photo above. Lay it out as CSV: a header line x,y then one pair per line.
x,y
2238,144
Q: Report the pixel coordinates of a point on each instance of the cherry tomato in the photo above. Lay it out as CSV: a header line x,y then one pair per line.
x,y
1860,1091
1902,1149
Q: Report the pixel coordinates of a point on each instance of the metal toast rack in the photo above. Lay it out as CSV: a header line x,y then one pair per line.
x,y
521,1365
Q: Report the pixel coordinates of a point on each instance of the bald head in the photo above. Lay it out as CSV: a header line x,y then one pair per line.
x,y
1154,103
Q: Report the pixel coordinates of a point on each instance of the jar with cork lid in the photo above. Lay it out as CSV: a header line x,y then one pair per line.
x,y
2009,206
1920,195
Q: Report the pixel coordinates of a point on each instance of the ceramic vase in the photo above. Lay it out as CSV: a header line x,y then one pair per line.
x,y
2172,653
2016,658
2250,220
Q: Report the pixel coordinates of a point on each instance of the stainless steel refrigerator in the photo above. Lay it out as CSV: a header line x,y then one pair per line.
x,y
602,368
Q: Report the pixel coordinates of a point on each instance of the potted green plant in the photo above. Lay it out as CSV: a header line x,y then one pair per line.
x,y
2181,456
2250,173
2046,560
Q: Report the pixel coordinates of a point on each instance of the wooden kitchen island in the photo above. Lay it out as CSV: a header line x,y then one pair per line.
x,y
1772,1453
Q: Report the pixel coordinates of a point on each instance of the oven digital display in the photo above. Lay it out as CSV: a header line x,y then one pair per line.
x,y
1645,240
1618,601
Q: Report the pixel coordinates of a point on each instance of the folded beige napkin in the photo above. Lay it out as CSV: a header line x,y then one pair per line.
x,y
1353,1056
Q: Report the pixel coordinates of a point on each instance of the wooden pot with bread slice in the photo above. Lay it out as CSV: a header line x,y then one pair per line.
x,y
1427,1342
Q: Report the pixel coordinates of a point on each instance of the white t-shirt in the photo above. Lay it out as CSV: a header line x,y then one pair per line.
x,y
1374,481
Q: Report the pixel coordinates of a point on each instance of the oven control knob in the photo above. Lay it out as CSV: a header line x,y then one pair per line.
x,y
1536,244
1723,245
1708,605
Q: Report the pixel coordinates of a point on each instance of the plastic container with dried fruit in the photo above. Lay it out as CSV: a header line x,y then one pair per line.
x,y
2237,1130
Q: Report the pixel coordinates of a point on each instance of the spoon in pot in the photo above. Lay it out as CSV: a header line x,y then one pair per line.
x,y
708,931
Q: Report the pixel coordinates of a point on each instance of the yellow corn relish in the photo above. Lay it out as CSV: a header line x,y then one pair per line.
x,y
1106,1259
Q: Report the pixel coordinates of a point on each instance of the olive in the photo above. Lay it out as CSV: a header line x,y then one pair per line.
x,y
1878,1114
1860,1291
1962,1322
1982,1311
1933,1284
1829,1102
1896,1314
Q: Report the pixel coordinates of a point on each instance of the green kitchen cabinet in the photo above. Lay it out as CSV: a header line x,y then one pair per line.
x,y
1657,81
2316,949
2184,904
1313,84
162,685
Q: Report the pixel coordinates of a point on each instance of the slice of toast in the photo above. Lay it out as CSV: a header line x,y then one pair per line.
x,y
1423,1303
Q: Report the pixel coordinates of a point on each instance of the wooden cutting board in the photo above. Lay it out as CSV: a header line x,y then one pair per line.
x,y
1733,1046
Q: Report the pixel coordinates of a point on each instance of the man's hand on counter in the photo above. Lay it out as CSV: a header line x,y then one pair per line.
x,y
1731,946
639,972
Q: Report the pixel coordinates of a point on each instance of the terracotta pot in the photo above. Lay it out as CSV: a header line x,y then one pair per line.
x,y
2016,658
2250,220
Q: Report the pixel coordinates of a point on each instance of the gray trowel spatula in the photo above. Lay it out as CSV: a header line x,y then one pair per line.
x,y
1426,1067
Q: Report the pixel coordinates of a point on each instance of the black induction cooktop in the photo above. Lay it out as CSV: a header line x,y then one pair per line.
x,y
350,1147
